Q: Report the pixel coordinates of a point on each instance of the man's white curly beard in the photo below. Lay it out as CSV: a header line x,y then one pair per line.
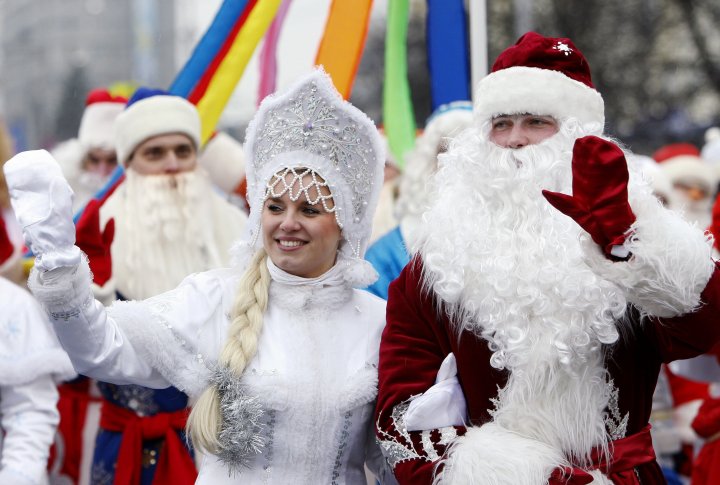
x,y
165,233
509,268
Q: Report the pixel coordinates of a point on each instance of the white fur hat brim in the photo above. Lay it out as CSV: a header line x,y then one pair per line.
x,y
153,116
97,125
520,89
224,159
690,169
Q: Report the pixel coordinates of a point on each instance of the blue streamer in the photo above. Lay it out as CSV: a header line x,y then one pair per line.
x,y
208,47
112,180
447,51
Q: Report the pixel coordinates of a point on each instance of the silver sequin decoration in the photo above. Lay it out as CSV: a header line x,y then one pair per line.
x,y
323,126
240,432
615,423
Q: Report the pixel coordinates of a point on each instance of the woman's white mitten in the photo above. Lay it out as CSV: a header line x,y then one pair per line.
x,y
42,202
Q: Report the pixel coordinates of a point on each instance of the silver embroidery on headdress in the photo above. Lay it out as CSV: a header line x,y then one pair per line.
x,y
312,127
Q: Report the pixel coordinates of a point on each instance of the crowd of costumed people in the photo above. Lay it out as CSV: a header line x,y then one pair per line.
x,y
514,298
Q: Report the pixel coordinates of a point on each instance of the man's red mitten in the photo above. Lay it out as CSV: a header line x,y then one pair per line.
x,y
6,246
94,243
599,200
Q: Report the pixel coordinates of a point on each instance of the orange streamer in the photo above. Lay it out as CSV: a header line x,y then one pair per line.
x,y
343,42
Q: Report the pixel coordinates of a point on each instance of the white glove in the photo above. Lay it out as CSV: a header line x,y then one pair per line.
x,y
42,201
440,406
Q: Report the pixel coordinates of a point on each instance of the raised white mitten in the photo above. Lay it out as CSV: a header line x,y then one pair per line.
x,y
42,201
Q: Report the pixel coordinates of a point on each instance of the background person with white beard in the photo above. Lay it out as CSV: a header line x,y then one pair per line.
x,y
88,160
522,346
389,254
694,181
169,222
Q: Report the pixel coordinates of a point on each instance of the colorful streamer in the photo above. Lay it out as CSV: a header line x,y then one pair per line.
x,y
447,51
268,54
343,42
228,73
398,114
208,47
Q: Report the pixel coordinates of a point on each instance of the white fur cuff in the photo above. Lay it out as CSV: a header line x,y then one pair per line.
x,y
670,264
64,290
493,455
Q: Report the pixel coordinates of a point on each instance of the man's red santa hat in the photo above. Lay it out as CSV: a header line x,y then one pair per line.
x,y
682,162
543,76
96,125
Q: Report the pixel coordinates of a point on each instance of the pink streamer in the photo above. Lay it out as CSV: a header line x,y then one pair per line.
x,y
268,54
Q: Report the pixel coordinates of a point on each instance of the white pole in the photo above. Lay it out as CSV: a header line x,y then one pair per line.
x,y
478,42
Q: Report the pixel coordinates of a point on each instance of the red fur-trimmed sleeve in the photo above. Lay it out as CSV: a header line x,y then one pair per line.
x,y
413,346
694,333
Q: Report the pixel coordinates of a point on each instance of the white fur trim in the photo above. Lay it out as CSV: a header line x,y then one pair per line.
x,y
493,455
159,347
684,414
537,91
670,265
688,168
223,158
105,294
96,125
153,116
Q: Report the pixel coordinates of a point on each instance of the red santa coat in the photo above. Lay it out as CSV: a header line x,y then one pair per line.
x,y
418,336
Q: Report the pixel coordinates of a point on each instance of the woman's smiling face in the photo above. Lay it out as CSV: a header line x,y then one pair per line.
x,y
300,237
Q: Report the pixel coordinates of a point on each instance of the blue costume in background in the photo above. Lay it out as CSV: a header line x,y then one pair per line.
x,y
388,255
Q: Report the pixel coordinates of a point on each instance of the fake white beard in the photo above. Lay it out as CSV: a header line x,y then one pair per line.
x,y
509,267
697,211
165,233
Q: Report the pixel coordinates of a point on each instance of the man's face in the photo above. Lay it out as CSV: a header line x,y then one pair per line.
x,y
517,131
164,155
100,161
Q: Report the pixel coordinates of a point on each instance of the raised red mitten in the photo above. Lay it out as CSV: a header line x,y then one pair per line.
x,y
599,200
94,243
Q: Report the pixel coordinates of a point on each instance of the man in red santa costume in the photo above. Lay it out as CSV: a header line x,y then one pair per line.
x,y
524,340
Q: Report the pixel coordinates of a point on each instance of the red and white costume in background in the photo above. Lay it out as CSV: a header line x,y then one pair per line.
x,y
96,131
557,348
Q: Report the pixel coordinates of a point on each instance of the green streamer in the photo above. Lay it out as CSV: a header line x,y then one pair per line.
x,y
398,117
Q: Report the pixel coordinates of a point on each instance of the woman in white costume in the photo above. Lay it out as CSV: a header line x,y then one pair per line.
x,y
280,350
32,363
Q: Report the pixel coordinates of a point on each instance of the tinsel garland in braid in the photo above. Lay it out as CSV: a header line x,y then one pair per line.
x,y
240,435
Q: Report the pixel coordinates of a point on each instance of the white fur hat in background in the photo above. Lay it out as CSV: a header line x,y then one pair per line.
x,y
97,124
223,157
681,162
153,112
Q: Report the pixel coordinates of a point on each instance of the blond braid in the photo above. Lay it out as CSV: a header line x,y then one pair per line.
x,y
204,422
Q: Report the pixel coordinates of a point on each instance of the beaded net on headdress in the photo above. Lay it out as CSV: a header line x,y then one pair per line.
x,y
301,182
326,135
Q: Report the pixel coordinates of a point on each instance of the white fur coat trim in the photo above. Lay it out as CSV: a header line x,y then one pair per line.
x,y
492,455
670,264
148,333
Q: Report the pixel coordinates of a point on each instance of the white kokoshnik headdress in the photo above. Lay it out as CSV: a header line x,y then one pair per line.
x,y
311,126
